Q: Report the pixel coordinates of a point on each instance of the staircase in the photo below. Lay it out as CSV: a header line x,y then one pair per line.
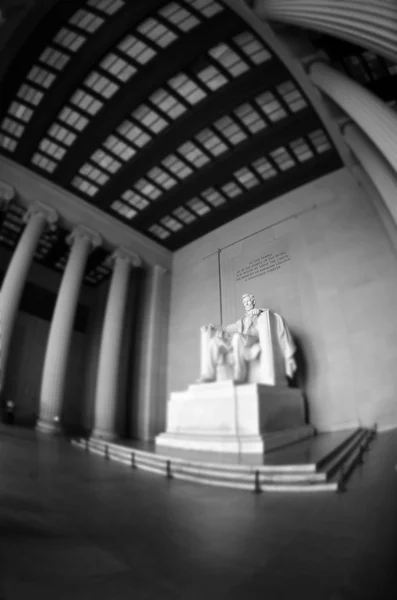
x,y
328,472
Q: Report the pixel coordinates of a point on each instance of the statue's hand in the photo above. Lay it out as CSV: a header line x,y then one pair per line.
x,y
290,366
207,327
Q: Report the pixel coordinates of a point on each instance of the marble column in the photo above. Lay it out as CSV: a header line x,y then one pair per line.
x,y
368,111
378,170
371,24
82,240
151,396
111,345
37,217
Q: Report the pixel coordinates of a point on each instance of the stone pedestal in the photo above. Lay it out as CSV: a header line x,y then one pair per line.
x,y
224,417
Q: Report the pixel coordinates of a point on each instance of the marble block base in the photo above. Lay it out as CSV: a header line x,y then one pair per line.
x,y
224,417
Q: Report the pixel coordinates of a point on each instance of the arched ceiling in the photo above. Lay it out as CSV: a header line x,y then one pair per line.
x,y
172,116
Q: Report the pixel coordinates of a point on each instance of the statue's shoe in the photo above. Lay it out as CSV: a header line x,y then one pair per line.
x,y
205,380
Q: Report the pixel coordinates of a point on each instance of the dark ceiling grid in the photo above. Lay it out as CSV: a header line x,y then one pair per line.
x,y
97,45
217,104
221,167
163,66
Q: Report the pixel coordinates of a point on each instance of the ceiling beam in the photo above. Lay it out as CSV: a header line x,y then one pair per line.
x,y
215,106
167,63
297,176
220,170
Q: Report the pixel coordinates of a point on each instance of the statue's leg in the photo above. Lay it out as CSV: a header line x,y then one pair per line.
x,y
211,356
240,364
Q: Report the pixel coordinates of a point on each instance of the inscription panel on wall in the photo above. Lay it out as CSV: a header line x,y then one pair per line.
x,y
262,265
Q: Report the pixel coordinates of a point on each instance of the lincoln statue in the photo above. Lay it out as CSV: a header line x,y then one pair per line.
x,y
256,348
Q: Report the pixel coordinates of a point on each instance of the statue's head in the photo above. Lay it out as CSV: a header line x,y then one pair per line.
x,y
248,301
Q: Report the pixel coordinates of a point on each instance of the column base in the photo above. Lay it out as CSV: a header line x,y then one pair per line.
x,y
51,427
104,434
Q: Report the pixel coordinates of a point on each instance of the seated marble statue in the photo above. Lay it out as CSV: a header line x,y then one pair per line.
x,y
258,348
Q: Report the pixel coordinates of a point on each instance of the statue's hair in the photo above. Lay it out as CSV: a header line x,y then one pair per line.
x,y
250,296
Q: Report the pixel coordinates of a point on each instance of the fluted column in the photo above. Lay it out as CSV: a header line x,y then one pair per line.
x,y
36,218
151,385
82,239
371,24
374,117
111,341
380,173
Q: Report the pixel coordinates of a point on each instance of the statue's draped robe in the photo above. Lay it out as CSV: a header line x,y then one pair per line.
x,y
259,333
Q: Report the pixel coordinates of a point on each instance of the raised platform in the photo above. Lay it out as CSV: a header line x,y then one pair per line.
x,y
225,417
321,463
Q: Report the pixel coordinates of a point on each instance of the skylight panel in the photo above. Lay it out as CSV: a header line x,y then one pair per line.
x,y
86,102
86,20
179,16
271,106
134,134
184,215
12,127
166,102
69,39
123,209
283,158
30,94
292,96
109,7
157,32
20,111
171,223
54,150
208,8
44,162
187,88
96,175
177,166
149,118
198,206
229,59
193,154
84,186
246,177
230,130
101,85
135,200
159,231
211,142
62,134
231,189
106,161
41,76
7,142
73,118
212,77
119,148
264,168
212,196
148,189
54,58
118,67
136,49
250,117
252,47
301,149
319,140
161,178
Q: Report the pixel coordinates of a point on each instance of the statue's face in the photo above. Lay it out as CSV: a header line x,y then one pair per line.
x,y
248,302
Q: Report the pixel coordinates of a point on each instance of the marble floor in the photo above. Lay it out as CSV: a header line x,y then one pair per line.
x,y
73,526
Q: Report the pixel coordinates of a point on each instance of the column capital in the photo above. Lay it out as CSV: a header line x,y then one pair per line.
x,y
7,193
125,255
159,269
83,232
48,213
